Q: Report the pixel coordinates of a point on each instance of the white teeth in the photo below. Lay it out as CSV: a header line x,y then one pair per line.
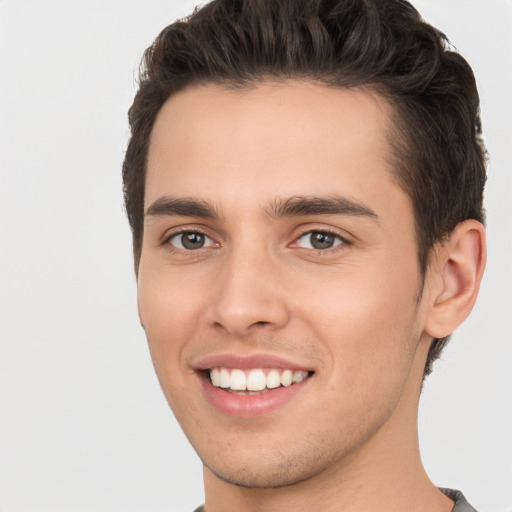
x,y
254,380
238,380
286,378
273,379
215,376
225,378
299,376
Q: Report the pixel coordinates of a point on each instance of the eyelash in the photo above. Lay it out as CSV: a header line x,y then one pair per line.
x,y
344,241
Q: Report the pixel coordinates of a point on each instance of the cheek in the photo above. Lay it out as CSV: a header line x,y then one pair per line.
x,y
368,335
367,321
169,312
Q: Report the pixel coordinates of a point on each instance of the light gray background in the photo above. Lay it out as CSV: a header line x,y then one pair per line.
x,y
83,424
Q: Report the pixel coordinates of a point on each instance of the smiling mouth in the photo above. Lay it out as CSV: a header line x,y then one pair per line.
x,y
254,381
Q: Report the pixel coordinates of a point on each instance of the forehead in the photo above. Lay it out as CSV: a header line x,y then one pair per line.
x,y
274,139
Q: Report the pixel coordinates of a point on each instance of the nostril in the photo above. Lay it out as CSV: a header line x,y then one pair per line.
x,y
261,322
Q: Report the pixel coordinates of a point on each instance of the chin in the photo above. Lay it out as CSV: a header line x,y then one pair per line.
x,y
271,470
261,478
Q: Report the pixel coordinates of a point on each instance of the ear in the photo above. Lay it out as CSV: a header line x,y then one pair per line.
x,y
455,275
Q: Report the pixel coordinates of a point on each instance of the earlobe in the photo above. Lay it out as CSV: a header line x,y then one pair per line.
x,y
459,267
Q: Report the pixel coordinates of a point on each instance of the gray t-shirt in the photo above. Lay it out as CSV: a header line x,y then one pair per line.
x,y
461,505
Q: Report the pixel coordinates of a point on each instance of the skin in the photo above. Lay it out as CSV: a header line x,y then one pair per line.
x,y
354,314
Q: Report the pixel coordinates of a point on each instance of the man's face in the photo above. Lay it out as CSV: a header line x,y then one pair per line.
x,y
278,245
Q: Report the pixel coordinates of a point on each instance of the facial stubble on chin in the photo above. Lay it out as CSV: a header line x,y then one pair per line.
x,y
286,471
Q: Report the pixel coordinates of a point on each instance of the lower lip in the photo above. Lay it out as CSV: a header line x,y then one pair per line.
x,y
249,406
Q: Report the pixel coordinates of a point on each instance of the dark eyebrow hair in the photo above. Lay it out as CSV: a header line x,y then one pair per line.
x,y
313,205
184,206
295,206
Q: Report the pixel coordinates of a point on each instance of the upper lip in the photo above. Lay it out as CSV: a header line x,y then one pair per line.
x,y
246,362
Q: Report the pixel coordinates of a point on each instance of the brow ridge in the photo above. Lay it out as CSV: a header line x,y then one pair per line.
x,y
294,206
297,206
183,206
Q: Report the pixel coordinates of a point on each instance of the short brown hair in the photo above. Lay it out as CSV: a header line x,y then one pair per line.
x,y
383,45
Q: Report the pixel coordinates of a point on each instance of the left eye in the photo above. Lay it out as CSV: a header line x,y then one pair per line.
x,y
319,240
191,240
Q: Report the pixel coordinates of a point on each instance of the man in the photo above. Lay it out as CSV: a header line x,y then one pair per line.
x,y
304,184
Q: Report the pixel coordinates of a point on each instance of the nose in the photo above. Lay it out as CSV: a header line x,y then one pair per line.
x,y
249,295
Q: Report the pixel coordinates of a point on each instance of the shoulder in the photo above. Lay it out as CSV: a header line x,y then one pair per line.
x,y
461,504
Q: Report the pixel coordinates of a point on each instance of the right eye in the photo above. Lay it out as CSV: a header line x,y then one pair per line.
x,y
190,241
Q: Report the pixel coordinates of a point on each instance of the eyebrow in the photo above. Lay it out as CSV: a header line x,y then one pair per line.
x,y
183,207
297,206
